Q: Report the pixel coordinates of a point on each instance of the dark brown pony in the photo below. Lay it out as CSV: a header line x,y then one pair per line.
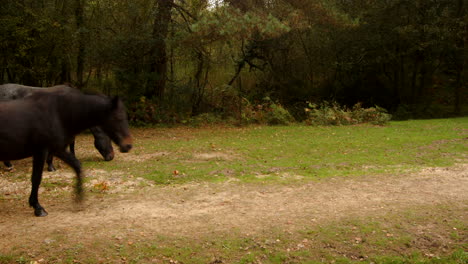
x,y
101,142
49,121
12,91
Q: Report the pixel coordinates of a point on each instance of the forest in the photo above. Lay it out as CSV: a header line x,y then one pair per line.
x,y
244,60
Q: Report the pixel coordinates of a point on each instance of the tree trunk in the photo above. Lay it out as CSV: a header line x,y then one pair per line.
x,y
64,73
79,16
198,89
460,63
158,66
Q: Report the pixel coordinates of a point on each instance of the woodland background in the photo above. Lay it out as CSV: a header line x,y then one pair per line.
x,y
244,60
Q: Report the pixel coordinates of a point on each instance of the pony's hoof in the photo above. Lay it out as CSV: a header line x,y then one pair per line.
x,y
79,198
40,212
51,168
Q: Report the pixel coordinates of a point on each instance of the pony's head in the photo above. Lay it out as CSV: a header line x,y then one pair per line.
x,y
116,125
103,143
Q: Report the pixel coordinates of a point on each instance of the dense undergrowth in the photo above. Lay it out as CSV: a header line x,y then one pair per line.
x,y
146,112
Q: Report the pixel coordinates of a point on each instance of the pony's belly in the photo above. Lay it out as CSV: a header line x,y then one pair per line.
x,y
10,158
13,154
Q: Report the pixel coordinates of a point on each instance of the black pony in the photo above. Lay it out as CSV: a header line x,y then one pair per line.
x,y
16,91
49,121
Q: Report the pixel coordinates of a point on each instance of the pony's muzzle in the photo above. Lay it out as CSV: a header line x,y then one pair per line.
x,y
109,156
126,145
125,148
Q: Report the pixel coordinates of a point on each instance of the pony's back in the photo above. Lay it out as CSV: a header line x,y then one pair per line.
x,y
12,91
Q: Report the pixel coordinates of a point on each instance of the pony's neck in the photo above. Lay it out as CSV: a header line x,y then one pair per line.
x,y
85,111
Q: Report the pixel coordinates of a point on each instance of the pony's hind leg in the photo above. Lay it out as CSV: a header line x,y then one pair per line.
x,y
50,157
73,162
8,165
36,178
50,164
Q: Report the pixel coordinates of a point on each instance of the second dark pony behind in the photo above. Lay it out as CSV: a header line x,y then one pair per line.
x,y
16,91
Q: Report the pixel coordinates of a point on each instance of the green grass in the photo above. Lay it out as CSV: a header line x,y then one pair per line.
x,y
294,152
422,235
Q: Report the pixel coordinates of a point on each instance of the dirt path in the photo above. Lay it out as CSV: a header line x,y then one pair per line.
x,y
205,209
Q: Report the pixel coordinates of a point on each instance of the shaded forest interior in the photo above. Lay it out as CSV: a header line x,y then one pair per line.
x,y
173,60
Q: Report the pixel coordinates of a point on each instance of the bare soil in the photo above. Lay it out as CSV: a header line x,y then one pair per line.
x,y
125,208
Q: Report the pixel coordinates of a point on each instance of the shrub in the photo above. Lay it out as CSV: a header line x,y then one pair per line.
x,y
143,112
328,113
267,112
374,115
205,119
252,113
277,115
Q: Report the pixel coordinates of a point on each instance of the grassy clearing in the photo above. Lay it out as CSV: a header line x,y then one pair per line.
x,y
292,152
432,234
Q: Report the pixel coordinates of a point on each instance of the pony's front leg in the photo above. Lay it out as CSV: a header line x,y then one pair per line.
x,y
73,162
36,178
72,147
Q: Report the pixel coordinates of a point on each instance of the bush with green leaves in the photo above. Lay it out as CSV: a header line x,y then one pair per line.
x,y
278,115
205,119
332,113
267,112
374,115
143,112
